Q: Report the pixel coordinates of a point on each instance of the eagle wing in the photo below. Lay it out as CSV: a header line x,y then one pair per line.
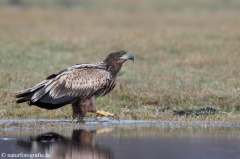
x,y
79,81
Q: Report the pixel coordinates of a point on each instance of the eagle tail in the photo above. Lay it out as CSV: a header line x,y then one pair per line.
x,y
24,95
46,101
37,96
22,100
27,94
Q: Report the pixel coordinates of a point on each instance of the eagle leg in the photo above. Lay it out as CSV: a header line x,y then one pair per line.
x,y
77,112
80,118
80,108
74,115
79,115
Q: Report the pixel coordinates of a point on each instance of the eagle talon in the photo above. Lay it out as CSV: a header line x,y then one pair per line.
x,y
79,117
103,113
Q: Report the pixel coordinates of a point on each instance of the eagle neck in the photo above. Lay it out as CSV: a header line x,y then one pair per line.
x,y
113,67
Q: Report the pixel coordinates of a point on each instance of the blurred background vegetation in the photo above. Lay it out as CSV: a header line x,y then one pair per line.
x,y
187,53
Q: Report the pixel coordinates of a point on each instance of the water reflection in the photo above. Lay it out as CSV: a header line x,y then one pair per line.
x,y
80,145
127,143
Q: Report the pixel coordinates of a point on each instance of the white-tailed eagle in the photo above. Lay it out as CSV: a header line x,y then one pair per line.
x,y
78,85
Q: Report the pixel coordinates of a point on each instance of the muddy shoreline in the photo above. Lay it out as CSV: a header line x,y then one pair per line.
x,y
46,124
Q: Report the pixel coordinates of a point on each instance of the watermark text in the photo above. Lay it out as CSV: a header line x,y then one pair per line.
x,y
26,155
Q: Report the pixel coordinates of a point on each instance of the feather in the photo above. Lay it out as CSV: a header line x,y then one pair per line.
x,y
79,81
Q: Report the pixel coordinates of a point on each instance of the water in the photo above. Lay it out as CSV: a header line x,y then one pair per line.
x,y
125,143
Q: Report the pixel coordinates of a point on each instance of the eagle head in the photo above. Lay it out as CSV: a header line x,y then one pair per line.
x,y
120,56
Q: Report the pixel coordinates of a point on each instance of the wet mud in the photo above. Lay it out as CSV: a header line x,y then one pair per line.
x,y
44,124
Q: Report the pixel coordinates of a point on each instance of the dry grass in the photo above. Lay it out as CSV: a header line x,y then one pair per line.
x,y
187,54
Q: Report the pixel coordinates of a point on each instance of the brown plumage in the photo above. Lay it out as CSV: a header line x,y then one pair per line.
x,y
78,85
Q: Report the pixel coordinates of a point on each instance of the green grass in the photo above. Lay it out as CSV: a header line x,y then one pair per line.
x,y
186,54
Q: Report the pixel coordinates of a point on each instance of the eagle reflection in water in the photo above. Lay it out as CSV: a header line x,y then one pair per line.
x,y
80,145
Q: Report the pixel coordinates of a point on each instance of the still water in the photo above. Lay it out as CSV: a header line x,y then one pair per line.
x,y
124,143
